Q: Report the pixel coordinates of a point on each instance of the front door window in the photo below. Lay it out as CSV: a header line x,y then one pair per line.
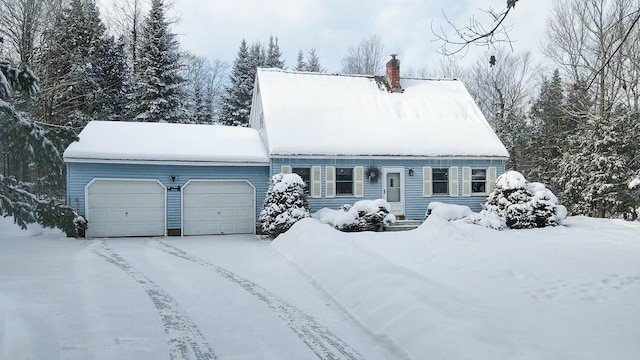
x,y
393,187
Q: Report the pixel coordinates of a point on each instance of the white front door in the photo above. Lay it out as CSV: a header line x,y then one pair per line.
x,y
393,189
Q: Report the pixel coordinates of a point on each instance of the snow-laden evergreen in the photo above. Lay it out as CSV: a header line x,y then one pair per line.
x,y
31,144
596,166
523,205
159,94
236,102
273,57
84,71
285,204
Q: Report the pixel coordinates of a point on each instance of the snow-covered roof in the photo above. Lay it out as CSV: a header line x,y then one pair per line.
x,y
328,114
163,142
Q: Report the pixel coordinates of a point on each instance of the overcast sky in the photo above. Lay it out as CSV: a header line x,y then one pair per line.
x,y
214,28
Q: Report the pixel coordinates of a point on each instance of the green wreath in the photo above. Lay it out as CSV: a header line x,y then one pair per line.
x,y
373,174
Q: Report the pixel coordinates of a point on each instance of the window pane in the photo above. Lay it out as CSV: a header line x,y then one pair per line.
x,y
305,174
344,188
478,186
393,194
478,174
440,188
344,174
440,174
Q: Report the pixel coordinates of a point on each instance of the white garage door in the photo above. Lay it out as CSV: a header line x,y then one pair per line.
x,y
125,208
218,207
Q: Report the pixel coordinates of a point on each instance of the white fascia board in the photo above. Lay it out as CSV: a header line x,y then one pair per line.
x,y
391,157
165,162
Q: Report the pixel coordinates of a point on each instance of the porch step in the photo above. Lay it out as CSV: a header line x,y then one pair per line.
x,y
403,225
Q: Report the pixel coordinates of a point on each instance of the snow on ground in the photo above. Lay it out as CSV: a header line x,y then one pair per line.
x,y
460,291
447,290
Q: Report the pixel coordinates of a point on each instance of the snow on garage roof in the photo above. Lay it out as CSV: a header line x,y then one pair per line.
x,y
326,114
163,142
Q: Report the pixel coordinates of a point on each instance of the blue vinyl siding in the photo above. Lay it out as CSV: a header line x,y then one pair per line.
x,y
415,204
80,174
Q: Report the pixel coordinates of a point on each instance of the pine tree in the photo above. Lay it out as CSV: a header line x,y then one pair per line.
x,y
552,127
285,204
35,145
159,95
593,171
300,64
115,81
236,104
273,56
313,62
522,205
84,75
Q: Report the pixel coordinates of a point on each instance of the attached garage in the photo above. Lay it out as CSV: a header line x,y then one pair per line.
x,y
119,207
218,207
157,179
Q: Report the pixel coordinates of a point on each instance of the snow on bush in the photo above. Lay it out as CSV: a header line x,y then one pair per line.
x,y
364,215
451,212
284,205
523,205
448,211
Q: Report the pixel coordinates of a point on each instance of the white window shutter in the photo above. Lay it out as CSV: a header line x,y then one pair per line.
x,y
453,181
285,169
330,182
316,182
358,181
466,181
427,188
491,178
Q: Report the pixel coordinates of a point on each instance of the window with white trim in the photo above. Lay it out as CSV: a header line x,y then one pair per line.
x,y
478,181
344,181
305,174
440,181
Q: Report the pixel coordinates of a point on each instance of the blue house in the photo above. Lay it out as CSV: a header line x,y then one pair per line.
x,y
408,141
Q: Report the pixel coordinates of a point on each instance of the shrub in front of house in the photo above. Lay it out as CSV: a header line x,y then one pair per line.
x,y
523,205
284,205
364,215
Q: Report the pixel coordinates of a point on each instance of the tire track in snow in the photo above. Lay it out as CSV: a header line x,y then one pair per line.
x,y
180,330
318,338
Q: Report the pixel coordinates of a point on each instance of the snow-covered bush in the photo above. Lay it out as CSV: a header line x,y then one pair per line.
x,y
523,205
448,211
452,212
364,215
285,204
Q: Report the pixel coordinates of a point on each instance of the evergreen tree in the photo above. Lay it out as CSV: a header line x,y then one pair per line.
x,y
313,62
236,104
552,128
116,81
34,145
273,56
284,205
523,205
300,64
83,73
593,171
159,95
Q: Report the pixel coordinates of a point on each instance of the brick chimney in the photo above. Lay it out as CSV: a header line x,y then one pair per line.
x,y
393,73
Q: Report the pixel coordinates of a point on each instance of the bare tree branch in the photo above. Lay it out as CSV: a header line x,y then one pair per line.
x,y
476,33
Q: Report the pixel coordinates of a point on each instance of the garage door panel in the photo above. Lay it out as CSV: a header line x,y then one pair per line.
x,y
125,208
218,207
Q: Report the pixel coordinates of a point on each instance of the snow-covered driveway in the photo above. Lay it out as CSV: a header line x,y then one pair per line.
x,y
226,297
